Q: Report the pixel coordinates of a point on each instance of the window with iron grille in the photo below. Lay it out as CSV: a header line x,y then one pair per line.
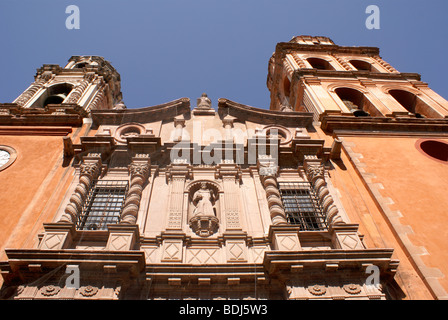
x,y
302,206
103,205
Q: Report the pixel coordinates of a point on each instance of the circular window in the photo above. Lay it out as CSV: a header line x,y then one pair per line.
x,y
276,131
128,130
7,156
435,149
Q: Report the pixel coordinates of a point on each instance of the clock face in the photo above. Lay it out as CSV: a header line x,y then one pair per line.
x,y
4,157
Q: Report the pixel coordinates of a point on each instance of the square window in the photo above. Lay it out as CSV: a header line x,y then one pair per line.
x,y
301,206
103,205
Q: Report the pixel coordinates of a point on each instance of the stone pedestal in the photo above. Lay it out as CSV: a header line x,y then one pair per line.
x,y
345,236
285,238
122,237
57,236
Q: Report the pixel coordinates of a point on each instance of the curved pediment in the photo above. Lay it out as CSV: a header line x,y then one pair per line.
x,y
166,111
263,116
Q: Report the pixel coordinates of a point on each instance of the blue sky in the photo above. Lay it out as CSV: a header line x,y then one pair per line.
x,y
168,49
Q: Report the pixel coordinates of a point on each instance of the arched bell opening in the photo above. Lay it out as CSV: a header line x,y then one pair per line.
x,y
55,94
320,64
413,104
358,104
363,66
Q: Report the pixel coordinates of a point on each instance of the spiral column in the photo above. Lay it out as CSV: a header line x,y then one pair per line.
x,y
268,171
90,170
139,172
315,173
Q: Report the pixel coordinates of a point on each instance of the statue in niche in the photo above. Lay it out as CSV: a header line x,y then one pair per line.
x,y
204,221
203,199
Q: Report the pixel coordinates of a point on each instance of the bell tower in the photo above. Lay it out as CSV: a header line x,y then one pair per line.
x,y
87,81
314,74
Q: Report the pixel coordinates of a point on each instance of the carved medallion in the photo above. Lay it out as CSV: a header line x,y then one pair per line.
x,y
317,290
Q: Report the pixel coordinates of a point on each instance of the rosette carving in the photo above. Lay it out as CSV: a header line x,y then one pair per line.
x,y
352,288
317,290
88,291
50,290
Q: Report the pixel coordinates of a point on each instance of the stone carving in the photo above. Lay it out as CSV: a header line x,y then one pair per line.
x,y
88,291
317,290
315,174
203,199
352,288
79,89
50,290
36,86
89,171
139,171
204,221
204,102
99,97
269,181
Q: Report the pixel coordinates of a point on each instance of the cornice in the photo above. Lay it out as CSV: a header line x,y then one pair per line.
x,y
247,113
383,124
288,47
166,111
12,114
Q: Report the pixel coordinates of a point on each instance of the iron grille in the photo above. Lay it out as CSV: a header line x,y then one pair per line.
x,y
302,206
103,205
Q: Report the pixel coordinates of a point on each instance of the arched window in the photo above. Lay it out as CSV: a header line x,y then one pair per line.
x,y
363,66
356,102
53,95
413,104
320,64
80,65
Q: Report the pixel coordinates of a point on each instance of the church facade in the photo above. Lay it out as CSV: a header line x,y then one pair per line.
x,y
335,192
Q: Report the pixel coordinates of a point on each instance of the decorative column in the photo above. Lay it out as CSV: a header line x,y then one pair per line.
x,y
177,173
139,172
268,170
36,86
173,238
124,235
284,237
60,235
90,170
98,101
230,174
79,89
344,236
315,172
